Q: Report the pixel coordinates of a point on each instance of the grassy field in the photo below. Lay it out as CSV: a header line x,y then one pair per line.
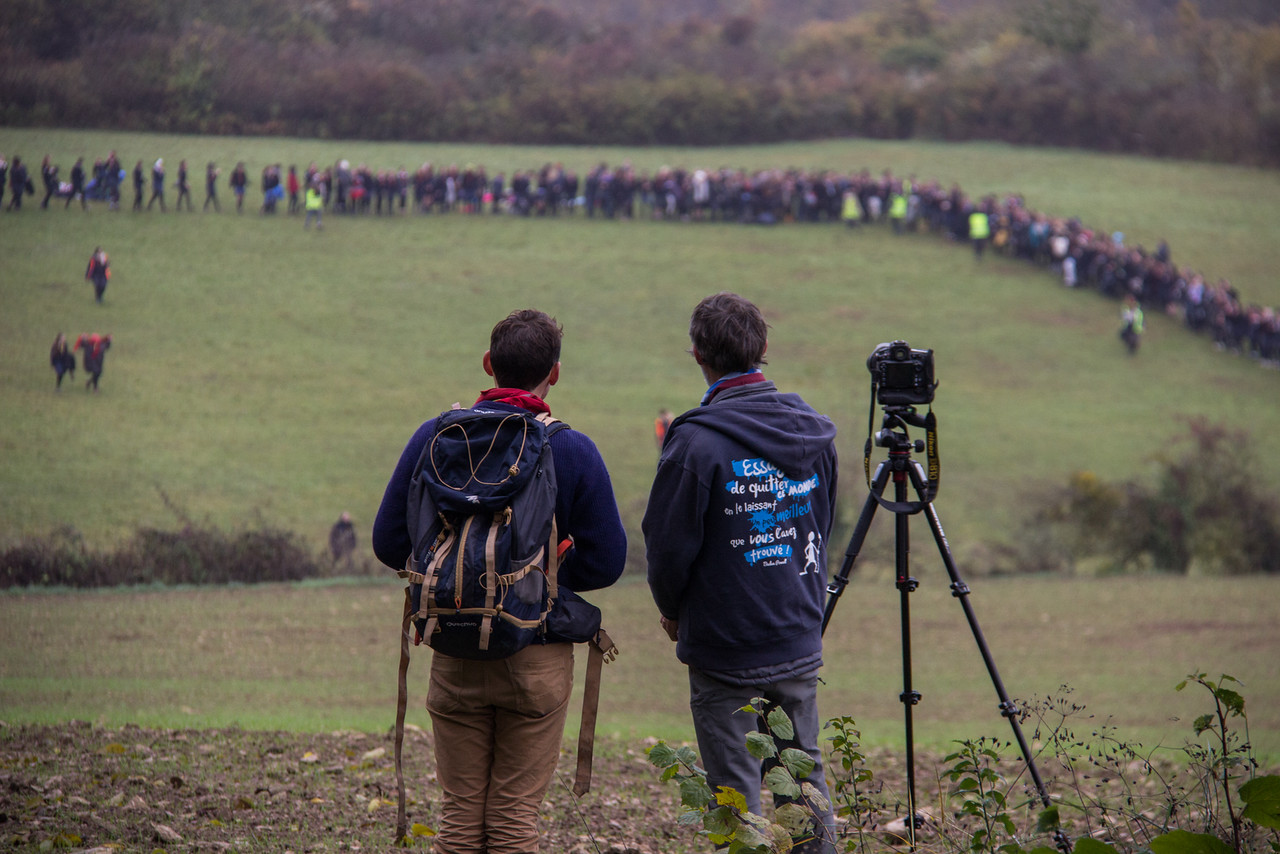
x,y
261,373
323,657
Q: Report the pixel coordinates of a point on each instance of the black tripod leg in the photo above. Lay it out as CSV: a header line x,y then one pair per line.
x,y
910,697
841,579
960,590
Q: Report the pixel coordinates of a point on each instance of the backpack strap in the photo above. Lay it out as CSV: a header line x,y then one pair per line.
x,y
601,649
554,554
491,592
429,579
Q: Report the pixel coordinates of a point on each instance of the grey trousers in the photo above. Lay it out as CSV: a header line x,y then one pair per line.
x,y
722,728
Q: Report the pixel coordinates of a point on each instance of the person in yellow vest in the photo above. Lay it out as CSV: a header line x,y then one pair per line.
x,y
315,206
1132,323
979,231
850,209
898,209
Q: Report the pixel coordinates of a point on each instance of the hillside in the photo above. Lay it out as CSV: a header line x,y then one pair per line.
x,y
264,373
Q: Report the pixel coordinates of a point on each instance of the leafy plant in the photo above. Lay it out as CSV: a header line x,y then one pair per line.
x,y
725,818
1225,760
857,792
1119,793
1215,803
980,790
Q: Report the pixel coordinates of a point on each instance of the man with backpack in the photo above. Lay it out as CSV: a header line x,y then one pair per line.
x,y
498,722
735,539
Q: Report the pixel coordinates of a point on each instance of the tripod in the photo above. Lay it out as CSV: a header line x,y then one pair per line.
x,y
904,470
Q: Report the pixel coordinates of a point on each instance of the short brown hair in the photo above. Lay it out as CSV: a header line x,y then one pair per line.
x,y
729,333
523,348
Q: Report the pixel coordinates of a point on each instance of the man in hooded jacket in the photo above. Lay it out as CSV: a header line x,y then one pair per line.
x,y
736,537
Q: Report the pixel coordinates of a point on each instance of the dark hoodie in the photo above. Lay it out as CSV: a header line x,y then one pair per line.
x,y
736,529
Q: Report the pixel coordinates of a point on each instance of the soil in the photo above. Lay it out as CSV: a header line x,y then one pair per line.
x,y
79,787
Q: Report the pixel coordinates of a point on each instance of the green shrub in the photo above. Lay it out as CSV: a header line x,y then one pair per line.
x,y
1204,514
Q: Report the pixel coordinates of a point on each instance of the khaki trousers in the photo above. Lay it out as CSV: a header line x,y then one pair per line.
x,y
498,727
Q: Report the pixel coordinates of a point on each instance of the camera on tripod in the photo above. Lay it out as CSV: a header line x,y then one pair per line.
x,y
902,376
901,379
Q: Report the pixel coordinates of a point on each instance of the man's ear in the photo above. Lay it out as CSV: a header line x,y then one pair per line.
x,y
488,364
697,357
554,376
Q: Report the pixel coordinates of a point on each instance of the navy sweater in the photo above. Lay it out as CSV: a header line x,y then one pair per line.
x,y
736,529
585,510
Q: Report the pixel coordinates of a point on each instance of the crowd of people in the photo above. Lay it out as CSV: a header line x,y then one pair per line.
x,y
1083,256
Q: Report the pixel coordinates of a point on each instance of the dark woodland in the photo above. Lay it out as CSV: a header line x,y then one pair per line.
x,y
1197,79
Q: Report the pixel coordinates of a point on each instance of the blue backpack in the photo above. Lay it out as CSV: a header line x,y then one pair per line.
x,y
481,513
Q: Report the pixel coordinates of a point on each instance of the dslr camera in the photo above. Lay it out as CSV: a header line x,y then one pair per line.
x,y
902,376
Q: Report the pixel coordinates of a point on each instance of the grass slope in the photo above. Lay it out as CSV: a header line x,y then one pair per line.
x,y
261,372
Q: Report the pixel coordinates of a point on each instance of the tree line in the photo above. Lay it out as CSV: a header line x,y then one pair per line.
x,y
1189,81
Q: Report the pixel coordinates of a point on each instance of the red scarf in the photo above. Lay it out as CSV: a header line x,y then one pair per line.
x,y
516,397
733,382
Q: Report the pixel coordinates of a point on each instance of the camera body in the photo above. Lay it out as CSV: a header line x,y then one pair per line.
x,y
902,376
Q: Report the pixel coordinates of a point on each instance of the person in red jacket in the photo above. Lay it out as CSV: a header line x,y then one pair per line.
x,y
95,352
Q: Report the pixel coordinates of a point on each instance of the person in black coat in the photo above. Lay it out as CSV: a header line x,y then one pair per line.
x,y
157,184
139,186
18,182
211,173
113,177
342,538
239,181
184,186
61,359
49,175
77,185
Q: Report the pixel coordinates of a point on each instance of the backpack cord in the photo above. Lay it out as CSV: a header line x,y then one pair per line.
x,y
512,471
402,700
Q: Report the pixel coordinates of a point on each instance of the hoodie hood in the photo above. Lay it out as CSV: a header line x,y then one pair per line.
x,y
779,427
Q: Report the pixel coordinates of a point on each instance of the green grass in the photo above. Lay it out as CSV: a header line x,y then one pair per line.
x,y
264,373
323,657
1218,219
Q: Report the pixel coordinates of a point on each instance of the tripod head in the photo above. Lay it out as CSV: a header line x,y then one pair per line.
x,y
893,434
893,430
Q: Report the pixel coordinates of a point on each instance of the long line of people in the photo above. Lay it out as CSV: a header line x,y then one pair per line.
x,y
1081,255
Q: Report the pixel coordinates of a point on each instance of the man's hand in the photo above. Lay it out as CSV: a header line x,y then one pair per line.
x,y
671,627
